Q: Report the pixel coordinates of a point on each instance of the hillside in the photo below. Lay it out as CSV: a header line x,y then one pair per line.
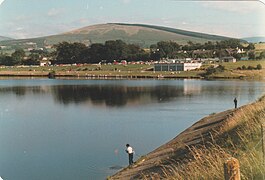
x,y
200,151
141,34
3,38
255,39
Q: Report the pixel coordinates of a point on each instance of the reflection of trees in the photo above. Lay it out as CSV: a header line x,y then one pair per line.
x,y
166,93
111,95
121,95
20,90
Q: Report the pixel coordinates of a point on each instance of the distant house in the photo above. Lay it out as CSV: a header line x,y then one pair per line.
x,y
228,59
244,58
176,66
239,51
45,63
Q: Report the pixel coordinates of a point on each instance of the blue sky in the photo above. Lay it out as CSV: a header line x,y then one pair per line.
x,y
35,18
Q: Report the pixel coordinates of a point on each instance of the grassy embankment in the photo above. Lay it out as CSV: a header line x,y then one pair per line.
x,y
134,71
201,150
231,70
242,139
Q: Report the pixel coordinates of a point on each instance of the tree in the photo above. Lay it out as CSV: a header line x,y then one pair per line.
x,y
18,56
33,59
167,48
7,60
251,55
262,55
259,67
251,46
115,50
209,45
96,53
69,53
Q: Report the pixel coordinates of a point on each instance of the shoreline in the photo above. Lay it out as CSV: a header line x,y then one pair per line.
x,y
202,134
122,75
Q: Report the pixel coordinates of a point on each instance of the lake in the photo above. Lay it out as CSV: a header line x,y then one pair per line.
x,y
77,129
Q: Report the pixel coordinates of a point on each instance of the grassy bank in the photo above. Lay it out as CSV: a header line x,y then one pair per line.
x,y
241,139
201,150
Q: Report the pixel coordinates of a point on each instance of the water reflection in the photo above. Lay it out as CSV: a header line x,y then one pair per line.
x,y
98,95
40,117
121,95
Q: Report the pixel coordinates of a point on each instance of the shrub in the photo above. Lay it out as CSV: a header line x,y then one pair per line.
x,y
251,67
259,67
244,67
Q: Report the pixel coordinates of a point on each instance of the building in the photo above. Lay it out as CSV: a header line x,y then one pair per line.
x,y
228,59
45,63
176,66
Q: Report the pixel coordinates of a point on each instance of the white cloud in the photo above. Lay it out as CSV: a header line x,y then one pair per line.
x,y
55,12
1,1
241,7
19,28
126,1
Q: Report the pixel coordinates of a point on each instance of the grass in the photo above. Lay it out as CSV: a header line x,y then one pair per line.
x,y
136,71
260,46
234,66
242,140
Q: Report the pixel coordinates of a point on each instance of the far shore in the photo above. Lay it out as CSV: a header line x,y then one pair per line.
x,y
256,75
134,71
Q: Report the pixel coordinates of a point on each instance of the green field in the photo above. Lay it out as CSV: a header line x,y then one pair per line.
x,y
135,71
234,66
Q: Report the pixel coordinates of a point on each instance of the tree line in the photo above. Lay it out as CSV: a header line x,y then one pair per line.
x,y
70,53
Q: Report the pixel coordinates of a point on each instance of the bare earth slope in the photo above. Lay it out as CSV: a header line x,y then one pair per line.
x,y
175,150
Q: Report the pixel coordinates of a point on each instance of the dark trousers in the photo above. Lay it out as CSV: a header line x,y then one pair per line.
x,y
131,159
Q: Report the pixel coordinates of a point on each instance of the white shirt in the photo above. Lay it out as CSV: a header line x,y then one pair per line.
x,y
129,150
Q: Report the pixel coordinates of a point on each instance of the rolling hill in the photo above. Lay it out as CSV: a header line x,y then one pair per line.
x,y
141,34
3,38
255,39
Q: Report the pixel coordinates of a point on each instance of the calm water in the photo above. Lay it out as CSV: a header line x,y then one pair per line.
x,y
77,129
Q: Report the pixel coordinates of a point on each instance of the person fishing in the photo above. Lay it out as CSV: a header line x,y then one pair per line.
x,y
130,152
235,102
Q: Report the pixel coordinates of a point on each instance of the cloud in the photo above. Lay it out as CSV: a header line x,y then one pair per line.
x,y
55,12
240,7
19,28
1,1
126,1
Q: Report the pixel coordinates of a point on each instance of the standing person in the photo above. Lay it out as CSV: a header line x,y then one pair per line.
x,y
130,152
235,102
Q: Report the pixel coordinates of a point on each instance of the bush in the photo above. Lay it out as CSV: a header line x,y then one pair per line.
x,y
251,67
211,70
259,67
244,67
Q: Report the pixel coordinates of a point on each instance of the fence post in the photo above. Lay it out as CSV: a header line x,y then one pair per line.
x,y
231,169
263,140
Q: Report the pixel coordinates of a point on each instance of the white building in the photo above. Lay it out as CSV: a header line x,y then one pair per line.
x,y
176,66
228,59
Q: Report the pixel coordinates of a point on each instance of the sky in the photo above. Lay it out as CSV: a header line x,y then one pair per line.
x,y
35,18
